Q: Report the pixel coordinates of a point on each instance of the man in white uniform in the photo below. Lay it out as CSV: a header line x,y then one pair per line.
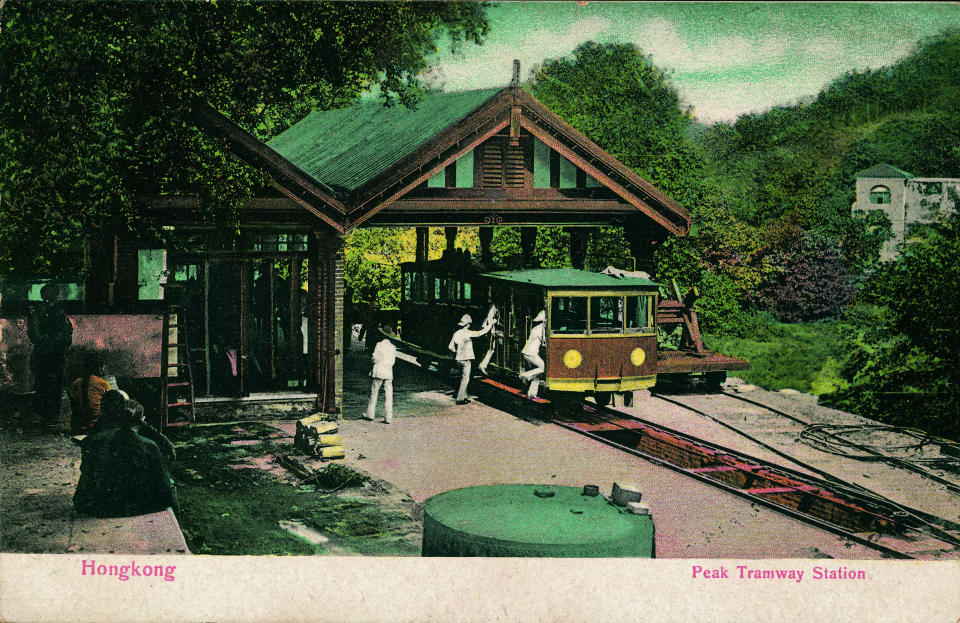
x,y
462,345
384,355
532,360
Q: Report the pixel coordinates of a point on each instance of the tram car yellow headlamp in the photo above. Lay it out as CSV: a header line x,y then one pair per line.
x,y
572,359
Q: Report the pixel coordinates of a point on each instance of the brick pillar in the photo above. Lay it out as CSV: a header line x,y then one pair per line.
x,y
579,236
528,245
339,261
423,244
486,239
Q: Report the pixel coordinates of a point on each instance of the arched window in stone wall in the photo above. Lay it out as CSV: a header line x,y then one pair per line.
x,y
879,195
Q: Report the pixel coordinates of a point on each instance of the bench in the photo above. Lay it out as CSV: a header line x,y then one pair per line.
x,y
153,533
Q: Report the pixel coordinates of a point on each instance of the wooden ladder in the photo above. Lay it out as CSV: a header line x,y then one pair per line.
x,y
177,388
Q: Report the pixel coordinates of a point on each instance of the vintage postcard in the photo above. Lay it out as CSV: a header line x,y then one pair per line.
x,y
525,311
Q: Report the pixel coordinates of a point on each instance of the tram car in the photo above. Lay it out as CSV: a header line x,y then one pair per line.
x,y
600,330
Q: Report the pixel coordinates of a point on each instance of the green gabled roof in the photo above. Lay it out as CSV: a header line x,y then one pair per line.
x,y
884,170
347,147
570,278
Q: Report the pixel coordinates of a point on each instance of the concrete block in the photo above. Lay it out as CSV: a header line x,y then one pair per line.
x,y
625,492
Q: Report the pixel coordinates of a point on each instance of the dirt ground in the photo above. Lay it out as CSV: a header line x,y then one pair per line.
x,y
40,469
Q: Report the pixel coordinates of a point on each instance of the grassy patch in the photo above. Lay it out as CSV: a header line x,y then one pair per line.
x,y
225,510
802,356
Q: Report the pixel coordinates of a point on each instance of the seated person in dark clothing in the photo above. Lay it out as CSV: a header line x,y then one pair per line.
x,y
124,471
86,394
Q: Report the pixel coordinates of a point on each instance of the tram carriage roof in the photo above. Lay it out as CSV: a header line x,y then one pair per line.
x,y
571,278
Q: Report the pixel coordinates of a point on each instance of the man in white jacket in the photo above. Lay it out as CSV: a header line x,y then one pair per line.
x,y
384,355
462,345
532,360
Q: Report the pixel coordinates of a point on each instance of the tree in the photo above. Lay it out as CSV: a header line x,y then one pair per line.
x,y
814,282
902,355
95,103
615,95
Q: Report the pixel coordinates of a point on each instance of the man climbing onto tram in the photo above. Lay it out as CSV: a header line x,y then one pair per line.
x,y
462,345
532,360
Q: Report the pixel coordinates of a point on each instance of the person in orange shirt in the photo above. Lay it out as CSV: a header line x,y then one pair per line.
x,y
86,393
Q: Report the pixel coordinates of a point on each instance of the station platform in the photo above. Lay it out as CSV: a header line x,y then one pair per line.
x,y
434,445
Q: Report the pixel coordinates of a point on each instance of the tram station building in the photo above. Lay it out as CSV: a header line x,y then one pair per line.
x,y
255,334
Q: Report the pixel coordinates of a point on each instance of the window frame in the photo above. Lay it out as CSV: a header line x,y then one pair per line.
x,y
650,329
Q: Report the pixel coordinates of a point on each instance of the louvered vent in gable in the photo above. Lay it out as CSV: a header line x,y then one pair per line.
x,y
503,163
491,162
514,173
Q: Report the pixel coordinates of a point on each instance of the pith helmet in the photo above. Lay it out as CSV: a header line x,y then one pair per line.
x,y
541,317
466,321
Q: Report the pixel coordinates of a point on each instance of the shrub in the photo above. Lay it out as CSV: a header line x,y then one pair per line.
x,y
718,307
901,355
814,282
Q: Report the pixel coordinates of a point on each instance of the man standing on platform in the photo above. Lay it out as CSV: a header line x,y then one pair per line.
x,y
51,334
462,345
384,355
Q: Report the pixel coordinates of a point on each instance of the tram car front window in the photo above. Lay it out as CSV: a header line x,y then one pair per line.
x,y
606,314
638,314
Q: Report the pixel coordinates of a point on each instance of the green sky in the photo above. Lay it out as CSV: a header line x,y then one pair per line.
x,y
726,59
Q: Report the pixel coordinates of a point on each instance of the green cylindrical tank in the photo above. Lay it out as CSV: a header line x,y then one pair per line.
x,y
532,521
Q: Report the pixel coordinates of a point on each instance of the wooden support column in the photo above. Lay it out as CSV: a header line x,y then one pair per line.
x,y
643,245
486,239
272,320
528,245
423,244
246,327
451,234
579,237
326,320
126,290
101,270
295,328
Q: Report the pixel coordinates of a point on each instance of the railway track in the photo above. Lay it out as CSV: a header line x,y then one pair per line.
x,y
868,452
822,500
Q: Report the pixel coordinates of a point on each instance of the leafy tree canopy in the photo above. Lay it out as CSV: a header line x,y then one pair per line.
x,y
93,110
901,365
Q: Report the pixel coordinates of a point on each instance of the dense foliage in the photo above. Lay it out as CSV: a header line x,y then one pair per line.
x,y
903,349
784,181
616,96
95,113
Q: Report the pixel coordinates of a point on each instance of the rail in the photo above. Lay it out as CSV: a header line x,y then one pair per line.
x,y
828,503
